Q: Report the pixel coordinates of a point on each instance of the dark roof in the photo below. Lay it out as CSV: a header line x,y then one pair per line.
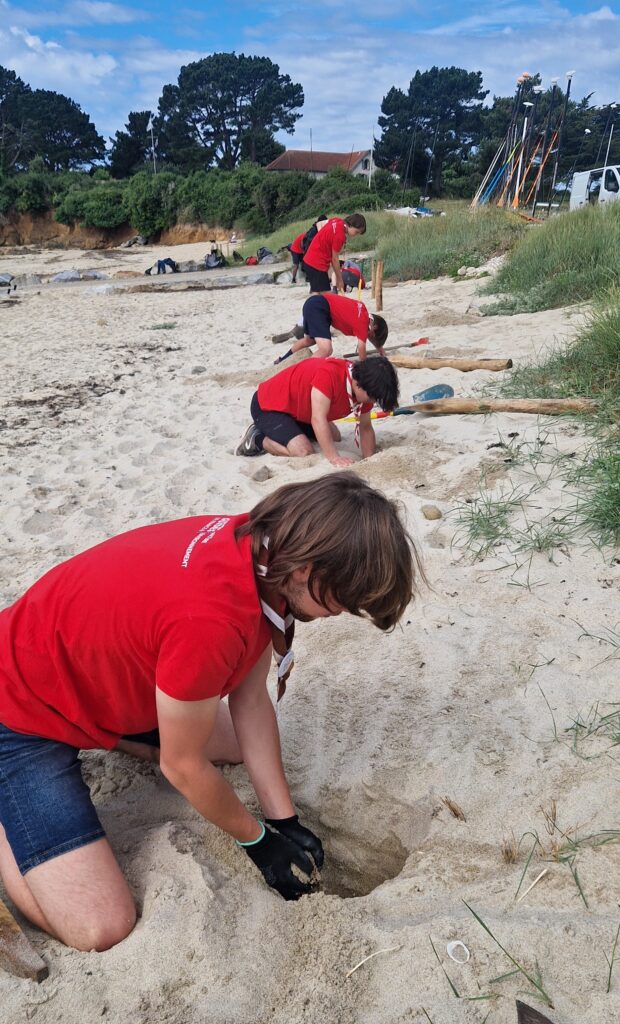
x,y
304,160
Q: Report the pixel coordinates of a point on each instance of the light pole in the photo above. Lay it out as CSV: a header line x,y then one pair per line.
x,y
611,131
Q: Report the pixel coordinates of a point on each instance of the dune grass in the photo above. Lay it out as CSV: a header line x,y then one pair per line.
x,y
570,258
424,248
588,366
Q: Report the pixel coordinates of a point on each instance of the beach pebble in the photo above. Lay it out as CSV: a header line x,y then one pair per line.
x,y
431,512
199,369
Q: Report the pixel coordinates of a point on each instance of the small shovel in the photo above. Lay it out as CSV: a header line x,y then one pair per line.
x,y
528,1015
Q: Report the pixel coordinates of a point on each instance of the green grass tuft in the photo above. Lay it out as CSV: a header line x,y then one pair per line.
x,y
570,258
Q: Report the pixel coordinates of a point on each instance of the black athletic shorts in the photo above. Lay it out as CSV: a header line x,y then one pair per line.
x,y
317,279
317,317
350,279
278,426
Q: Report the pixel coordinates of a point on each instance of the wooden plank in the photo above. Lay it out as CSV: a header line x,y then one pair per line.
x,y
439,362
17,956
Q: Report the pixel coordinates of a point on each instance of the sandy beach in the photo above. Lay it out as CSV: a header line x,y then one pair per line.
x,y
125,409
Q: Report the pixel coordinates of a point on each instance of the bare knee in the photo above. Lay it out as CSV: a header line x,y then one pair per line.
x,y
300,446
99,935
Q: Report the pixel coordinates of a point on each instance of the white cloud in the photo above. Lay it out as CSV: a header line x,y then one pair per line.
x,y
346,65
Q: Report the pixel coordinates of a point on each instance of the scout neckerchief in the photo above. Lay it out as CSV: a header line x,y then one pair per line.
x,y
282,626
356,407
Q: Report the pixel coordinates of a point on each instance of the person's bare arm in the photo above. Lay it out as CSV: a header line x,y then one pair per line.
x,y
368,441
184,730
361,349
320,425
254,719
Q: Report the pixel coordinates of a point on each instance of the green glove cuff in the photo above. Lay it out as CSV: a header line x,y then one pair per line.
x,y
253,842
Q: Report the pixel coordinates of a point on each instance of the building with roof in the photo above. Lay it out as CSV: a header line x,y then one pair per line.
x,y
357,161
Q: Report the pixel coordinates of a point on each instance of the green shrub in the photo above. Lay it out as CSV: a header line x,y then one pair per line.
x,y
34,195
104,206
151,202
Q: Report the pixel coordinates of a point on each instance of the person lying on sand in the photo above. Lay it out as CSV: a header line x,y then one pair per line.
x,y
322,253
349,316
151,629
298,406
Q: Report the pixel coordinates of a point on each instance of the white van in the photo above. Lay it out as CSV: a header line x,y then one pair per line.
x,y
601,185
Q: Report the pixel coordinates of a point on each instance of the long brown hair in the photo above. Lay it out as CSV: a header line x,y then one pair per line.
x,y
351,535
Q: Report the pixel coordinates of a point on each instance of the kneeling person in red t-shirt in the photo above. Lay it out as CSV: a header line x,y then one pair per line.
x,y
298,406
144,635
349,316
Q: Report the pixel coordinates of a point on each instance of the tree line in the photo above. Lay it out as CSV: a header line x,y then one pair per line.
x,y
438,136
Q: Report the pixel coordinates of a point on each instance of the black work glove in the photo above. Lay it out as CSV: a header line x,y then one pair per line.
x,y
273,855
300,835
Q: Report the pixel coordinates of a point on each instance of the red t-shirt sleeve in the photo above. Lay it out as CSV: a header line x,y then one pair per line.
x,y
323,381
197,657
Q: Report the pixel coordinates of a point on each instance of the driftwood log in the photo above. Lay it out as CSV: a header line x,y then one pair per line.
x,y
438,362
17,956
537,406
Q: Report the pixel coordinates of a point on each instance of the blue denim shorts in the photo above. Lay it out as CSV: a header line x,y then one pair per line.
x,y
45,805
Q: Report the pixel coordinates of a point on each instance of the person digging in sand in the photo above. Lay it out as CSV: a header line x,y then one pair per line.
x,y
322,253
321,313
298,406
149,630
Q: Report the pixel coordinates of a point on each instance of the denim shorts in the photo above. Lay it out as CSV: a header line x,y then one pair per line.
x,y
45,805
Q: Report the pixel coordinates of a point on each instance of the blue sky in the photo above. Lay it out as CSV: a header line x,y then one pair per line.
x,y
115,57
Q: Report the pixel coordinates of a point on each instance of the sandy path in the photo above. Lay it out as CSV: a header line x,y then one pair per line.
x,y
108,424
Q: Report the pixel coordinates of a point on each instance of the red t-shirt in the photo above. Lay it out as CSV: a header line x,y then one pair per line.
x,y
296,245
290,390
329,239
349,316
173,605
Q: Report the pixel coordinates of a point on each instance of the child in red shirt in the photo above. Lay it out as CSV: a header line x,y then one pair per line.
x,y
150,629
298,406
321,313
322,253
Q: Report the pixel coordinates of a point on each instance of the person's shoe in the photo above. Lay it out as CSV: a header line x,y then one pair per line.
x,y
248,445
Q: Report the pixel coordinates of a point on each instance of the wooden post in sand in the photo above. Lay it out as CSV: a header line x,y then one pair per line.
x,y
16,954
373,277
537,406
438,363
379,287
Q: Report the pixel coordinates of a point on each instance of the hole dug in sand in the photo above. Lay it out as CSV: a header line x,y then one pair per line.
x,y
365,847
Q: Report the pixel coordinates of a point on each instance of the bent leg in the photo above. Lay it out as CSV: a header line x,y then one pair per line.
x,y
82,897
324,348
55,861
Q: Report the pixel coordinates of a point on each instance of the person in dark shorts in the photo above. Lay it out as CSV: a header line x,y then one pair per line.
x,y
297,254
352,277
322,253
299,405
150,630
321,313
